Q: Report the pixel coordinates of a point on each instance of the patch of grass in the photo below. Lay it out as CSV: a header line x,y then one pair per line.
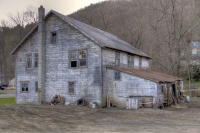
x,y
7,101
2,93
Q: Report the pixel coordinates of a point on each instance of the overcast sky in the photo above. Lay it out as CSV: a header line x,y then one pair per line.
x,y
62,6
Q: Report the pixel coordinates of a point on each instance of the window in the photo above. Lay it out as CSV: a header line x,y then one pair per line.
x,y
117,75
24,86
117,58
32,60
35,60
36,86
82,58
53,37
78,58
73,58
71,87
29,60
130,61
140,62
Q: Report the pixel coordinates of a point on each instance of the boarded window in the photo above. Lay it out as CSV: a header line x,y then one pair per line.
x,y
117,58
53,37
78,58
130,61
117,75
29,60
36,86
71,87
24,87
35,60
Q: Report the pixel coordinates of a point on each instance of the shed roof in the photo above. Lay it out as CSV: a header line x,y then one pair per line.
x,y
102,38
148,74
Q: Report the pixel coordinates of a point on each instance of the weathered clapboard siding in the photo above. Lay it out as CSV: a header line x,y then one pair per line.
x,y
127,86
58,74
108,58
145,63
24,74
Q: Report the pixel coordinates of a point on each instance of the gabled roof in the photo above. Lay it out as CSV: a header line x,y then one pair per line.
x,y
148,74
102,38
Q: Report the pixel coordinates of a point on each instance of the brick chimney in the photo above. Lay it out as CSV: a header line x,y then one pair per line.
x,y
41,54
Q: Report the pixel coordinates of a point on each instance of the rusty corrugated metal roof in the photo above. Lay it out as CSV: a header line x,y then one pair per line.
x,y
102,38
148,74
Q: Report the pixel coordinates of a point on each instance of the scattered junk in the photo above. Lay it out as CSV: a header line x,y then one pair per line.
x,y
135,102
132,103
178,106
188,98
67,103
58,100
195,92
81,102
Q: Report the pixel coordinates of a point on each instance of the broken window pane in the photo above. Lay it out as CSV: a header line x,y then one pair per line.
x,y
73,63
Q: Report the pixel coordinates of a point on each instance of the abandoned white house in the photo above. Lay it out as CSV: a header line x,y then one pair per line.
x,y
66,57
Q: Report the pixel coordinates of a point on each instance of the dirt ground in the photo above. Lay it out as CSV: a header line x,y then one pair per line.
x,y
40,118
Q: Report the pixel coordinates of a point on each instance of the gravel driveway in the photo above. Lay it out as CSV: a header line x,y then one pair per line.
x,y
9,93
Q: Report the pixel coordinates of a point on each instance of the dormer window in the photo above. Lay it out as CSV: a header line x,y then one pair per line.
x,y
130,60
53,37
117,58
140,62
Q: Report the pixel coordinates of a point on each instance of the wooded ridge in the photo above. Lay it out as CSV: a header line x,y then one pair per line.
x,y
160,28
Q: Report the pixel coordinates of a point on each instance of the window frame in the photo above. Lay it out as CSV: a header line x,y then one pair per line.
x,y
140,62
32,60
21,84
131,62
117,53
36,86
27,59
120,76
78,58
69,87
54,32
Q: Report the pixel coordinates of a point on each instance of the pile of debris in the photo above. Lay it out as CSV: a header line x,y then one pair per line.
x,y
58,100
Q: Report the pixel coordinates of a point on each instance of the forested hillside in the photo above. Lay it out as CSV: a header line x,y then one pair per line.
x,y
11,33
163,29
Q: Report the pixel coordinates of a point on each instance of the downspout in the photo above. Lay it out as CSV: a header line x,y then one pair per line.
x,y
101,77
16,80
41,55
